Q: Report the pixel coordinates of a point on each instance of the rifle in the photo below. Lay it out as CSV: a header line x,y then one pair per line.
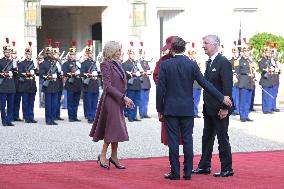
x,y
52,70
7,68
90,70
28,68
74,68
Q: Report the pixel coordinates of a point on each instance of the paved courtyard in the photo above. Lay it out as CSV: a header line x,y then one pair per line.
x,y
36,143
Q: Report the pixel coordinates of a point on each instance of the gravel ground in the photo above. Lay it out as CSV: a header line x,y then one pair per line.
x,y
37,143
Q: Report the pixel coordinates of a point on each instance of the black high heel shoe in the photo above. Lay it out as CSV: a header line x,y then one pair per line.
x,y
105,166
115,164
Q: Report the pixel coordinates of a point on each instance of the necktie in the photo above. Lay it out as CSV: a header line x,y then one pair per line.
x,y
208,64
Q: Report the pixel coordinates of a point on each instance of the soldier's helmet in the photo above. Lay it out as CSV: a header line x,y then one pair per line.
x,y
89,48
192,50
141,48
56,49
29,50
7,48
235,48
267,47
72,49
13,48
131,48
48,49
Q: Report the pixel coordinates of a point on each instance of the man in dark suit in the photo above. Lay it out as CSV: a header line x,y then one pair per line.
x,y
174,101
216,116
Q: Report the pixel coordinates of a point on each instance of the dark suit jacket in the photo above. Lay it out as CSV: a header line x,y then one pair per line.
x,y
174,88
221,76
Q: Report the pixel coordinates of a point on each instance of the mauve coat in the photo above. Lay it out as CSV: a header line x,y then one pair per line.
x,y
109,124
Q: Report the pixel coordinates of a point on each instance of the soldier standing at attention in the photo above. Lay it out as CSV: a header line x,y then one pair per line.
x,y
145,83
7,86
196,87
27,85
17,97
266,80
245,83
73,84
48,72
235,66
133,83
90,72
56,53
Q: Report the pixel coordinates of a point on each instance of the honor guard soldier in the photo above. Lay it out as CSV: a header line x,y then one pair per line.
x,y
48,72
90,73
57,59
246,78
266,80
133,74
27,85
276,72
18,96
7,86
196,87
235,61
73,84
145,83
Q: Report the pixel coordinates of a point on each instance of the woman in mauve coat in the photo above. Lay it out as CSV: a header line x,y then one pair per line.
x,y
167,47
109,124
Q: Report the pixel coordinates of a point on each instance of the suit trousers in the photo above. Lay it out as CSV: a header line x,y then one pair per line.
x,y
73,99
135,96
17,104
275,93
183,125
196,99
9,99
51,100
144,101
214,125
90,104
267,100
28,106
236,97
245,100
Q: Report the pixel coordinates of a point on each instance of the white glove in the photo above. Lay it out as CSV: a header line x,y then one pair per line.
x,y
235,79
277,70
54,76
77,72
272,68
32,72
61,73
94,73
14,63
58,67
137,74
10,74
149,72
78,64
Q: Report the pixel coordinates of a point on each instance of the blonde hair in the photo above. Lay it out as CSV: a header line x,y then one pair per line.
x,y
110,48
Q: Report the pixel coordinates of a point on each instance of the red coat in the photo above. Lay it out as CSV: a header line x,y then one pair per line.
x,y
109,124
164,134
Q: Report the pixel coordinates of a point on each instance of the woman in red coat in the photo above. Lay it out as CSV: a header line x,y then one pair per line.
x,y
109,124
167,47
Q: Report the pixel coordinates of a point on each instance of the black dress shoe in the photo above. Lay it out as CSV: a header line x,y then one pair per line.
x,y
206,171
10,124
171,176
27,121
18,119
186,177
115,164
146,116
76,119
224,174
33,121
136,119
276,110
243,120
49,123
130,120
54,123
59,118
248,119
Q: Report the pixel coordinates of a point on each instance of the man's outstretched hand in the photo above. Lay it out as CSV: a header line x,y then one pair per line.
x,y
227,101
